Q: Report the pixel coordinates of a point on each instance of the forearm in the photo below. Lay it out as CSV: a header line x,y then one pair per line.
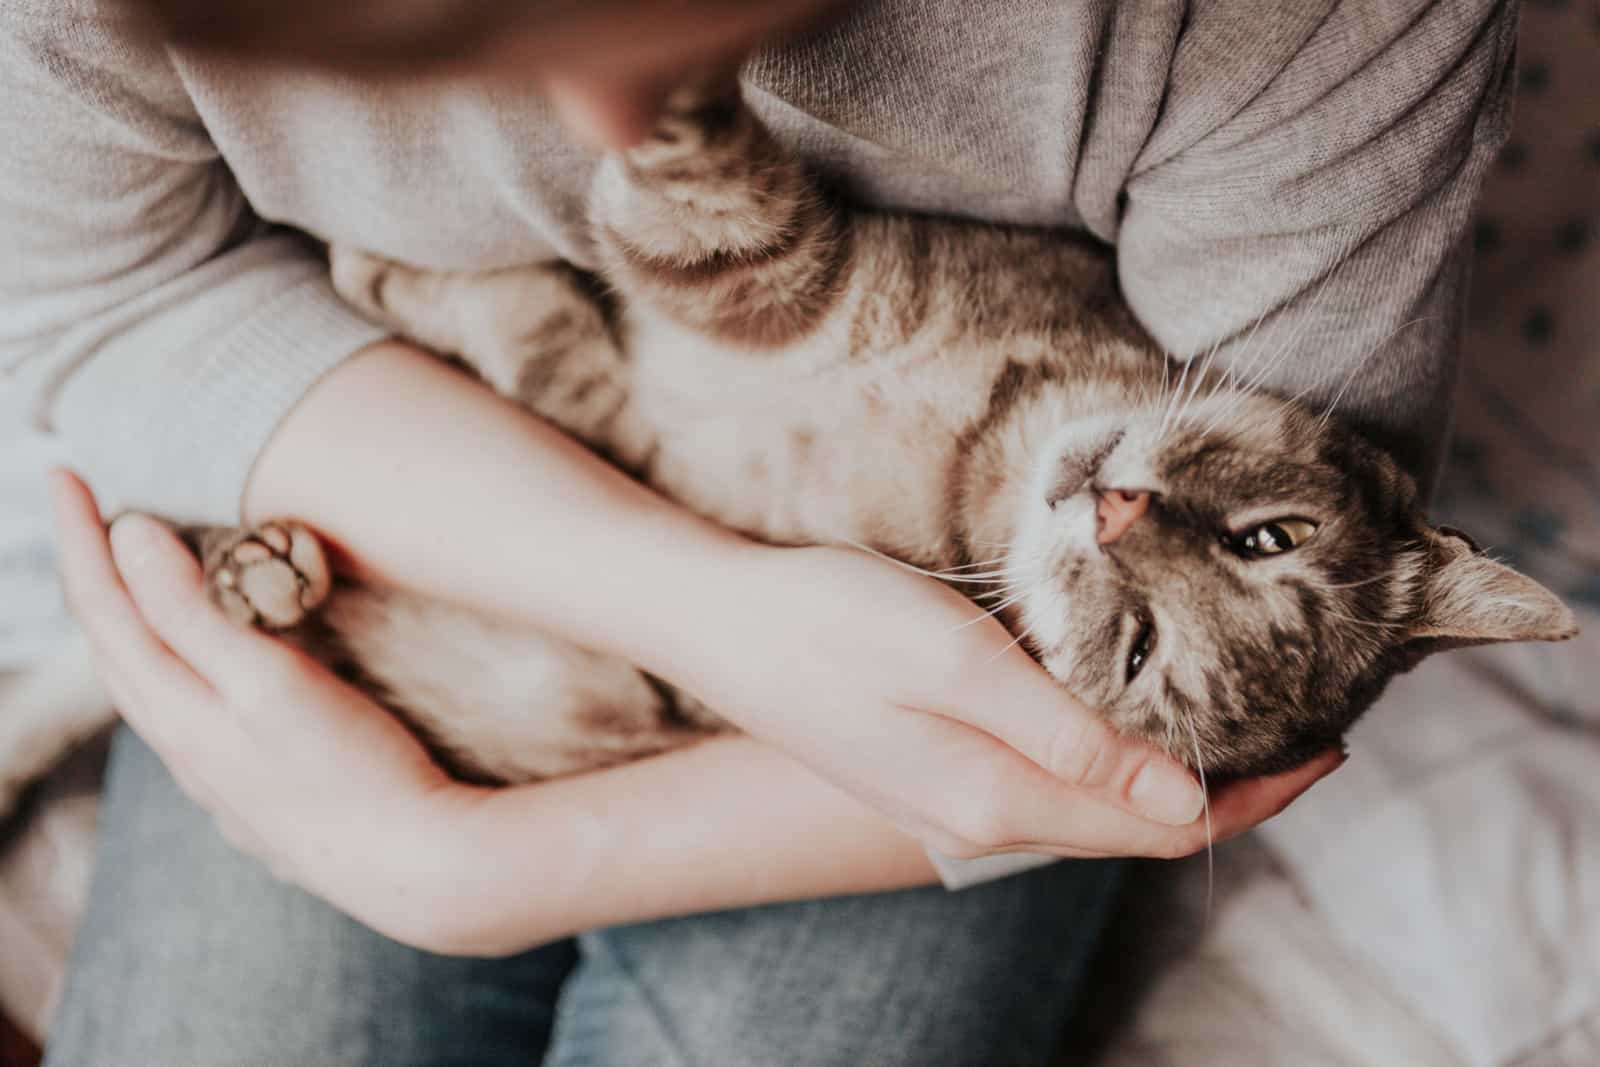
x,y
420,477
728,823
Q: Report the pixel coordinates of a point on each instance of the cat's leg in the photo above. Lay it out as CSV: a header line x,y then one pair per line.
x,y
272,576
710,221
535,334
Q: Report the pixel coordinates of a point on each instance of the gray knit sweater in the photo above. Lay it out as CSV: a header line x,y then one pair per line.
x,y
1281,180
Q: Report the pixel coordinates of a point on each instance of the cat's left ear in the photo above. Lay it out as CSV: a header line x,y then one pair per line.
x,y
1469,599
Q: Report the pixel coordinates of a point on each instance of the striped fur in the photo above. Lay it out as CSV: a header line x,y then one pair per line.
x,y
946,393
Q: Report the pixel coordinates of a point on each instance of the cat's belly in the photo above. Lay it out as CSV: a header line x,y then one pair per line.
x,y
798,482
830,452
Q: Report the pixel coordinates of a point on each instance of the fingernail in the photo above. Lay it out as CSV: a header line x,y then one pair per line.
x,y
1167,795
134,541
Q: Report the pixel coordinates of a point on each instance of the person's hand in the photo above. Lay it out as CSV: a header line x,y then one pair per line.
x,y
298,769
881,681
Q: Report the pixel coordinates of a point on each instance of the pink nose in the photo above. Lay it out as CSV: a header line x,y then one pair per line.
x,y
1118,511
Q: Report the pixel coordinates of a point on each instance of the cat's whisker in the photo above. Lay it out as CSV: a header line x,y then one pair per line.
x,y
1312,313
975,564
1361,364
1186,403
939,575
1249,346
1222,381
1242,387
1188,395
1177,391
1275,356
1025,632
1175,402
1303,326
1320,379
1205,793
1286,404
992,612
957,576
1001,581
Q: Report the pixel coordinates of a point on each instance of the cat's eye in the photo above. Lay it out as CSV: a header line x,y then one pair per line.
x,y
1144,642
1272,538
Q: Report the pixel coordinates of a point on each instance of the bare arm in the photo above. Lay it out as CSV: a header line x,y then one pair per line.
x,y
422,478
729,823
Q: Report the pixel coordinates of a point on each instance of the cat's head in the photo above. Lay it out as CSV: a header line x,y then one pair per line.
x,y
1236,584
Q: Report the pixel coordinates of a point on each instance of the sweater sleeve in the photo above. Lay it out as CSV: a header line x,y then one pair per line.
x,y
151,322
1300,205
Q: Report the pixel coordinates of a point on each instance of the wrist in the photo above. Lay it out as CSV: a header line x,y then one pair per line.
x,y
495,874
706,596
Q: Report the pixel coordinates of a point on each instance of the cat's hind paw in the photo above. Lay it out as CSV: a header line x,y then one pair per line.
x,y
270,577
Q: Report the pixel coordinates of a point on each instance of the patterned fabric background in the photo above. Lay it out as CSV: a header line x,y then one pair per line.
x,y
1524,474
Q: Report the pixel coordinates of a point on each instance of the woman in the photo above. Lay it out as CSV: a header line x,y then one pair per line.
x,y
1313,168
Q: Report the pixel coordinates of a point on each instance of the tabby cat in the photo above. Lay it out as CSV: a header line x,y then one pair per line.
x,y
1225,574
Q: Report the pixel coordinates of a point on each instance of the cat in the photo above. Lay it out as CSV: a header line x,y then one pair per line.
x,y
1225,574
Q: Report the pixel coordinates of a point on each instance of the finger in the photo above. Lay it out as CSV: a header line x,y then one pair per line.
x,y
987,797
168,588
126,648
1241,805
1103,830
1027,709
1236,808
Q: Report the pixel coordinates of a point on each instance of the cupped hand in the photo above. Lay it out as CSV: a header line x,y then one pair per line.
x,y
895,688
298,769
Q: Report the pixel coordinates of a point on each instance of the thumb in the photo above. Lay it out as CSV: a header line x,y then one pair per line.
x,y
168,588
1015,700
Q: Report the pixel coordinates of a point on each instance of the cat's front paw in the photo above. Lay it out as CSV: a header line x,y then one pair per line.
x,y
271,577
359,278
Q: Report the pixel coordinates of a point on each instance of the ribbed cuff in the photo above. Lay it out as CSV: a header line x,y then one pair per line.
x,y
177,434
962,874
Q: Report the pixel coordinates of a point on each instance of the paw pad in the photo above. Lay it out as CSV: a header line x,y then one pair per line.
x,y
271,577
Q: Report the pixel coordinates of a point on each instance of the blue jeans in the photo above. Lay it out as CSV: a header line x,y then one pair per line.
x,y
193,956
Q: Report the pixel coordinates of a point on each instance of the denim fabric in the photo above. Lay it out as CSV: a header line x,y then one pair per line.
x,y
193,956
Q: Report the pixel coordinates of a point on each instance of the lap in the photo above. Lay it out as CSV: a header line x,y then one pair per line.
x,y
191,954
987,975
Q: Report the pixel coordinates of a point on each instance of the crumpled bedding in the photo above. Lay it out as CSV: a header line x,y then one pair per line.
x,y
1434,904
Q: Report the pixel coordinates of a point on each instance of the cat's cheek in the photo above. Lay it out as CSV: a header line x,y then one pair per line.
x,y
1054,620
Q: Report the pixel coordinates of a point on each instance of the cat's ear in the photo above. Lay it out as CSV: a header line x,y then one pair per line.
x,y
1469,599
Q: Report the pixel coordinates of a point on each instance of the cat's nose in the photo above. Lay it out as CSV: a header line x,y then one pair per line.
x,y
1118,511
